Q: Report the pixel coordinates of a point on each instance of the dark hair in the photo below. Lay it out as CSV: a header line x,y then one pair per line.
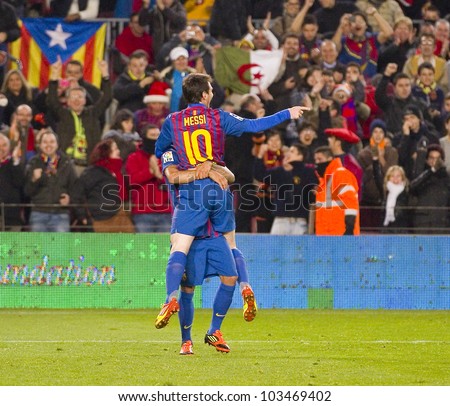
x,y
425,65
76,63
309,19
121,116
435,147
289,35
274,132
353,64
324,150
399,76
101,151
307,125
300,148
361,14
145,129
194,85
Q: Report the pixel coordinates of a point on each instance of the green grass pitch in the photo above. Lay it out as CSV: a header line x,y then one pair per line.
x,y
280,347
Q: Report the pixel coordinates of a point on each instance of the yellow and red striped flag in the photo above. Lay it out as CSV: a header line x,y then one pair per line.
x,y
43,39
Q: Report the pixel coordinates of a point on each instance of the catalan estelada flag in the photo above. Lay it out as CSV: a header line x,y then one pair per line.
x,y
43,39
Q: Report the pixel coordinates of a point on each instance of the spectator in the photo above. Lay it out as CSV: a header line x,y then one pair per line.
x,y
445,143
50,181
174,75
329,55
401,47
228,21
134,37
393,105
102,188
157,102
9,29
197,43
442,37
271,154
337,206
360,45
293,183
78,126
167,18
150,201
12,179
282,25
133,84
416,135
388,9
262,38
290,74
73,10
426,48
426,89
74,74
396,204
17,90
258,9
22,132
432,191
329,15
240,161
123,133
378,156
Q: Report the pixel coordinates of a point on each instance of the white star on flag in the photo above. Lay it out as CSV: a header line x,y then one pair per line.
x,y
58,37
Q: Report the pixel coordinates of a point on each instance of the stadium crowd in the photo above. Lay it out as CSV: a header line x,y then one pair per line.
x,y
374,73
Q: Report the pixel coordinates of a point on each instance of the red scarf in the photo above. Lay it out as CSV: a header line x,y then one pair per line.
x,y
51,165
114,166
30,140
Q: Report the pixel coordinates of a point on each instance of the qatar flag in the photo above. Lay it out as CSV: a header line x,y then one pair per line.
x,y
244,71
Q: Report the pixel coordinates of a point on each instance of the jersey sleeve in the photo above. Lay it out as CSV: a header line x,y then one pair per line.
x,y
169,158
234,125
164,140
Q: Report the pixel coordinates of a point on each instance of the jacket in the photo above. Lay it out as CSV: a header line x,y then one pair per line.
x,y
336,197
49,187
100,190
146,195
90,117
12,179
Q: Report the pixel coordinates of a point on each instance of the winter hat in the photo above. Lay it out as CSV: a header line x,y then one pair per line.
x,y
411,109
158,92
343,87
177,52
377,123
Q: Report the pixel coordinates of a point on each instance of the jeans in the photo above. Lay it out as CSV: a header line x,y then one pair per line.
x,y
152,223
56,222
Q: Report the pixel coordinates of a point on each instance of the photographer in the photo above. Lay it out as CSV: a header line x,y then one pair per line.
x,y
197,43
133,84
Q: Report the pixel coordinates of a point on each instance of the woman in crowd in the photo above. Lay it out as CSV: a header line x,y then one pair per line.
x,y
50,181
102,188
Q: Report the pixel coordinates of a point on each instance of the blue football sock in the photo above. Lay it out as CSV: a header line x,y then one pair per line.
x,y
174,273
186,315
222,303
241,267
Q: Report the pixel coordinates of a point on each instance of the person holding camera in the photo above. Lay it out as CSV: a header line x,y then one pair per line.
x,y
432,192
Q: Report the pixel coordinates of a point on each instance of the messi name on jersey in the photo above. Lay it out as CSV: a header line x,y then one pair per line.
x,y
194,120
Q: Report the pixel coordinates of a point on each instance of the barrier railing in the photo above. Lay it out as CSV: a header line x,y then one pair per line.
x,y
443,212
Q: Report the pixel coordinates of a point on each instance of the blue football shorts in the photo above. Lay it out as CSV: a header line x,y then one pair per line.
x,y
200,201
208,257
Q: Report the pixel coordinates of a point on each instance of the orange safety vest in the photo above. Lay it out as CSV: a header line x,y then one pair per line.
x,y
336,196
